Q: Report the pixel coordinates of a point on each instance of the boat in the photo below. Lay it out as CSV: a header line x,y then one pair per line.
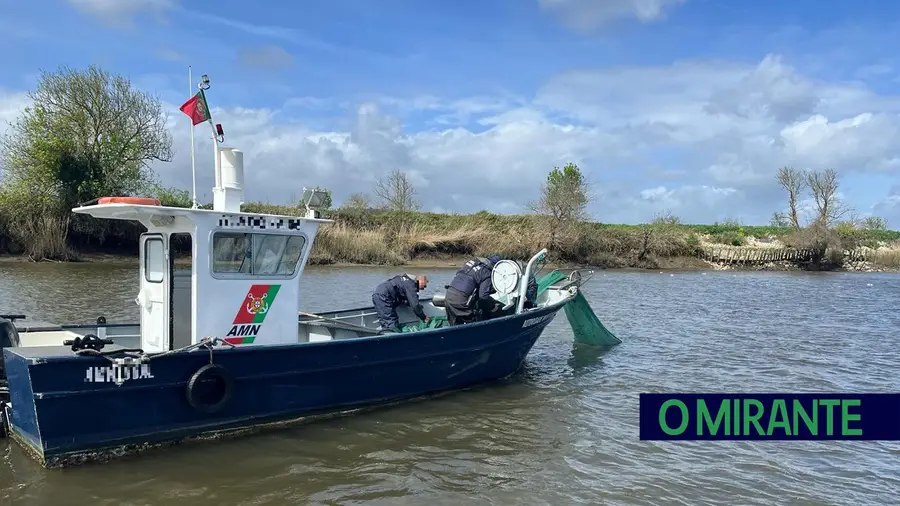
x,y
245,357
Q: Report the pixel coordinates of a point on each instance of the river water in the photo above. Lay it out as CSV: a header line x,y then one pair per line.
x,y
563,431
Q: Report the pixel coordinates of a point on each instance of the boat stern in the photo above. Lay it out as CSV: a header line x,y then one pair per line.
x,y
63,403
21,414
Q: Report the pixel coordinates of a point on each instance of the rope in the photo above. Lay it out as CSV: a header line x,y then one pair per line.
x,y
139,354
206,342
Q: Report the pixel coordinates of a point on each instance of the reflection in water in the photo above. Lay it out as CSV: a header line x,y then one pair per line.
x,y
585,359
562,431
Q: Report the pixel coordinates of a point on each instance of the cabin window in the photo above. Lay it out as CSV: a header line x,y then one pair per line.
x,y
154,261
256,254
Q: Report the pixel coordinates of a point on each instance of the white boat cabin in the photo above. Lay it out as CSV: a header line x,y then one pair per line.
x,y
245,267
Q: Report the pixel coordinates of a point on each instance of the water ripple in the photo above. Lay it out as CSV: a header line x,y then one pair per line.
x,y
563,431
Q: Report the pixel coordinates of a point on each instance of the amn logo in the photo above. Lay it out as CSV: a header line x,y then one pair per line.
x,y
251,314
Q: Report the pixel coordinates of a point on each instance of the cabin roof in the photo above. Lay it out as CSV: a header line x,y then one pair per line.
x,y
119,211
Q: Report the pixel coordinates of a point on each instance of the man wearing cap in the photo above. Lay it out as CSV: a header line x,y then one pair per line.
x,y
468,295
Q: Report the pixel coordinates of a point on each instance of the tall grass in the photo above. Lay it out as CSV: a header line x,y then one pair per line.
x,y
392,238
393,243
341,244
887,258
41,237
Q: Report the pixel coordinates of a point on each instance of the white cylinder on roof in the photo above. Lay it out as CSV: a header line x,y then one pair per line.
x,y
232,168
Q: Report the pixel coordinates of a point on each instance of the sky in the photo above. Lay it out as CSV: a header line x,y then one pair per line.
x,y
686,107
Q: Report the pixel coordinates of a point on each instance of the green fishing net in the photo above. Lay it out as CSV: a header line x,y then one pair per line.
x,y
588,329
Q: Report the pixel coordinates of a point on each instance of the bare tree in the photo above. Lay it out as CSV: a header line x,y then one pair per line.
x,y
779,220
794,182
397,192
874,223
666,218
824,188
357,201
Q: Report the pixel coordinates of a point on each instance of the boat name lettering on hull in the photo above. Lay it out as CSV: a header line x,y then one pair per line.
x,y
99,374
535,321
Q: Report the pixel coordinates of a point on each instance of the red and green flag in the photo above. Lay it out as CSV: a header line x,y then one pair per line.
x,y
197,108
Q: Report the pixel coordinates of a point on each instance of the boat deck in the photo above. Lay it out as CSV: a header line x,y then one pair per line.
x,y
34,333
346,324
326,326
57,350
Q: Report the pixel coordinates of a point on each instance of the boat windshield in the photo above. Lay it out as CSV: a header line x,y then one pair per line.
x,y
256,253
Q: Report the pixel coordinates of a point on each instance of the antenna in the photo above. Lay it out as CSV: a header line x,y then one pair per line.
x,y
228,163
194,204
312,198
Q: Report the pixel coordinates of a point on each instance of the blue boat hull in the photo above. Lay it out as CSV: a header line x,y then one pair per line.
x,y
65,413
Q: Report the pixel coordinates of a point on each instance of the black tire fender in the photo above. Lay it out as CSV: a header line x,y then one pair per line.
x,y
4,420
195,392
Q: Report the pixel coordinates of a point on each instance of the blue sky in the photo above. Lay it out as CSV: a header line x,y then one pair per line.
x,y
687,106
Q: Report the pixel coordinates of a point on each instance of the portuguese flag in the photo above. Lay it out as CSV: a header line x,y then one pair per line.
x,y
196,108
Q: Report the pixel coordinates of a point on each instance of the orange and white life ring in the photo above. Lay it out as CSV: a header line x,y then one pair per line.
x,y
144,201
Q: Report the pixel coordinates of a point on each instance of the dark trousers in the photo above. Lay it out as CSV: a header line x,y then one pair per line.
x,y
458,309
386,311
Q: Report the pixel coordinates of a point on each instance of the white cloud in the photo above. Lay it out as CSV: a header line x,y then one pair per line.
x,y
494,170
452,112
700,138
265,57
589,15
122,12
170,55
889,208
739,122
873,71
703,203
291,35
11,106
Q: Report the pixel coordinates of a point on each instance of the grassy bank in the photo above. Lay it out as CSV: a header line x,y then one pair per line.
x,y
369,237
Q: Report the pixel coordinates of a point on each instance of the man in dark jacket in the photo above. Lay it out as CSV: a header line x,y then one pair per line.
x,y
468,295
399,290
